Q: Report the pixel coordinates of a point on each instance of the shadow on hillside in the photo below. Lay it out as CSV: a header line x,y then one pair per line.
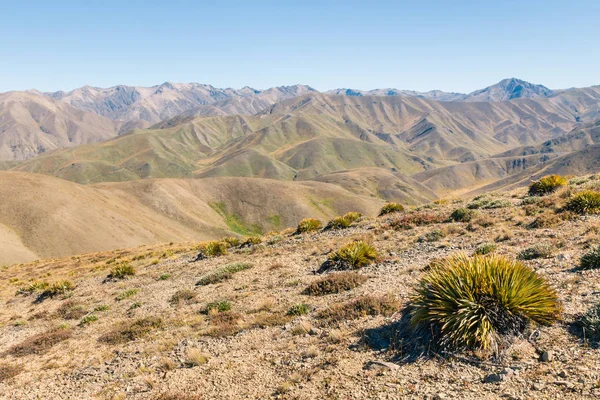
x,y
576,328
404,344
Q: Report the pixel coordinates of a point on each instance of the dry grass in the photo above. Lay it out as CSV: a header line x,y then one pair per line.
x,y
409,221
361,307
8,371
128,332
71,309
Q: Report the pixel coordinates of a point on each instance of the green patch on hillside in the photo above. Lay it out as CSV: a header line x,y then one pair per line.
x,y
275,219
319,204
234,222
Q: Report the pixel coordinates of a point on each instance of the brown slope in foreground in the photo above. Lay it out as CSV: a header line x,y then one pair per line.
x,y
149,337
31,124
42,216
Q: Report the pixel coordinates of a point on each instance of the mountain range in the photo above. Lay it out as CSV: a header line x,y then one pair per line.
x,y
199,161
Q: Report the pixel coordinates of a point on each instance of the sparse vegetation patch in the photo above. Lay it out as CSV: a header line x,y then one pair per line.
x,y
335,283
546,185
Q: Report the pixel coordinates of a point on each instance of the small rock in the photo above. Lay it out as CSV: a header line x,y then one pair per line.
x,y
562,374
381,365
440,396
538,386
566,384
547,356
493,378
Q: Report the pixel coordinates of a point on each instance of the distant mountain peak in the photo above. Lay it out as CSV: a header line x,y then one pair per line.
x,y
510,89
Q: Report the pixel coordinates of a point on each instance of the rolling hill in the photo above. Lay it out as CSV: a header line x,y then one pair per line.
x,y
44,217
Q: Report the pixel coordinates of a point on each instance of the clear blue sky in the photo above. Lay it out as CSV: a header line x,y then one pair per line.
x,y
458,45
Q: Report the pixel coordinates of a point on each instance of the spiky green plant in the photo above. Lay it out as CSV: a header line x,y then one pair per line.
x,y
344,221
586,202
309,225
391,208
355,255
471,302
591,259
546,185
231,241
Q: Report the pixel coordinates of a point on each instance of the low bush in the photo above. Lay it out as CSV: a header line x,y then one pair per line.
x,y
389,208
335,283
128,332
545,220
361,307
298,309
214,249
473,302
223,273
409,221
546,185
540,250
591,259
182,296
71,310
589,324
485,248
344,221
308,225
462,215
431,236
231,241
218,306
122,270
586,202
40,343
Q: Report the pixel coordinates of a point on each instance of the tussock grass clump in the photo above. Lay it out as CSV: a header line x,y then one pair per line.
x,y
308,225
335,283
472,302
589,324
540,250
195,357
409,221
486,203
547,185
122,270
223,323
351,256
431,236
586,202
214,249
389,208
8,371
45,289
231,241
462,215
545,220
218,306
126,294
361,307
591,259
252,241
131,331
343,222
223,273
40,343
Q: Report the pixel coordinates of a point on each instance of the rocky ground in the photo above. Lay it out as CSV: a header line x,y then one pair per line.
x,y
83,343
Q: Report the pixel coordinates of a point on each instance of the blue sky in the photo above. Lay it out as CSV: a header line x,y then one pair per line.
x,y
459,45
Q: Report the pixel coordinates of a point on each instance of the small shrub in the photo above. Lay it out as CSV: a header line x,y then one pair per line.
x,y
71,310
545,220
40,343
164,277
126,294
409,221
231,241
218,306
485,248
361,307
223,273
351,256
343,222
214,249
298,309
589,323
128,332
183,295
335,283
58,288
462,215
389,208
224,323
121,271
472,302
8,371
591,260
540,250
308,225
586,202
431,236
484,202
546,185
